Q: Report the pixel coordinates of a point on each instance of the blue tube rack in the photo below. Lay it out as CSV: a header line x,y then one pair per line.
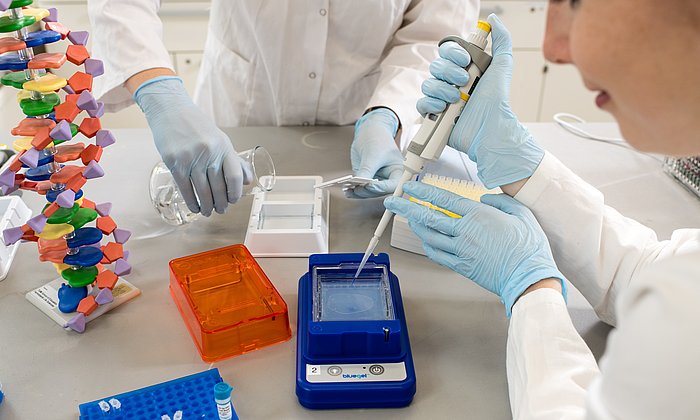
x,y
193,395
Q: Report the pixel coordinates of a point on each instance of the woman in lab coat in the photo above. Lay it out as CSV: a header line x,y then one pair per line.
x,y
275,62
643,57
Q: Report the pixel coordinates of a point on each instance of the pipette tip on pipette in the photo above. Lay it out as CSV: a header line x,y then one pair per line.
x,y
372,244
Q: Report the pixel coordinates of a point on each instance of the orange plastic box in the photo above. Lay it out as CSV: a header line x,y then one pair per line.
x,y
228,303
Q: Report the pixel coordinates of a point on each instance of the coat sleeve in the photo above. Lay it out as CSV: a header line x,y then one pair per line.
x,y
128,37
549,366
650,367
649,370
413,47
600,251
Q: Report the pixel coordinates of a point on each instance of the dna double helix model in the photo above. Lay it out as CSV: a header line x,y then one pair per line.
x,y
47,164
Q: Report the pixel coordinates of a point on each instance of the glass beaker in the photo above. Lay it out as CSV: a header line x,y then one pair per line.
x,y
262,170
171,206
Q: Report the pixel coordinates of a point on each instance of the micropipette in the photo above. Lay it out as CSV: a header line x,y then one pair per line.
x,y
432,137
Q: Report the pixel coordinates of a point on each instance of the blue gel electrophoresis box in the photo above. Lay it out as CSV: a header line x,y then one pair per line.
x,y
353,349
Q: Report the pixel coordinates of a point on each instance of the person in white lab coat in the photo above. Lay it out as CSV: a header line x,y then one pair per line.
x,y
275,62
643,57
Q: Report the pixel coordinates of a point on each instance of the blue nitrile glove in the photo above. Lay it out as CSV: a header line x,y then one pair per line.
x,y
497,243
199,155
487,130
374,154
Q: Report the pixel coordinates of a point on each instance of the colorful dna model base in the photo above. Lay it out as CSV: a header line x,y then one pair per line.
x,y
42,163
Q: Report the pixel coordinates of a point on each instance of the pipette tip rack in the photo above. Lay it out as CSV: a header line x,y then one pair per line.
x,y
686,171
192,396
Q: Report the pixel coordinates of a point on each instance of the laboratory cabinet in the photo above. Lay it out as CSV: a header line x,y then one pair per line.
x,y
540,89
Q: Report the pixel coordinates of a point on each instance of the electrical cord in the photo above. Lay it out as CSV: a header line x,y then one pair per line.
x,y
561,119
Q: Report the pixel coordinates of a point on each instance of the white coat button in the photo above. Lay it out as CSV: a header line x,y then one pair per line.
x,y
322,12
312,75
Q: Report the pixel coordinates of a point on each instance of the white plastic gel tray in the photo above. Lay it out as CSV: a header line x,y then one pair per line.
x,y
14,213
289,221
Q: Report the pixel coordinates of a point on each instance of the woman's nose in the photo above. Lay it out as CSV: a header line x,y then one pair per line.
x,y
556,36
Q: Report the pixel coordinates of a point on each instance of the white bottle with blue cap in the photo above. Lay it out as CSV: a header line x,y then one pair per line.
x,y
222,396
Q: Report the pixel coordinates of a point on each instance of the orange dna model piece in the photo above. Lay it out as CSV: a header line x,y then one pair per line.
x,y
227,302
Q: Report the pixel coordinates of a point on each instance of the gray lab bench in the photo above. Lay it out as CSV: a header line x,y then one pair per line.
x,y
457,330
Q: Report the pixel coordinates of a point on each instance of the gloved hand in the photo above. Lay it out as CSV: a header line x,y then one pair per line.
x,y
374,154
497,243
487,131
199,155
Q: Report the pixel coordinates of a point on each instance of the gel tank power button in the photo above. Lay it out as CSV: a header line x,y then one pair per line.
x,y
376,369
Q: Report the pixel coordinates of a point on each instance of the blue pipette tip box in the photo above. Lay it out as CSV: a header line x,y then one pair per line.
x,y
193,395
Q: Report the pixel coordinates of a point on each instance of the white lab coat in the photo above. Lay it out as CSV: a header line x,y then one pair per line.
x,y
288,62
648,289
